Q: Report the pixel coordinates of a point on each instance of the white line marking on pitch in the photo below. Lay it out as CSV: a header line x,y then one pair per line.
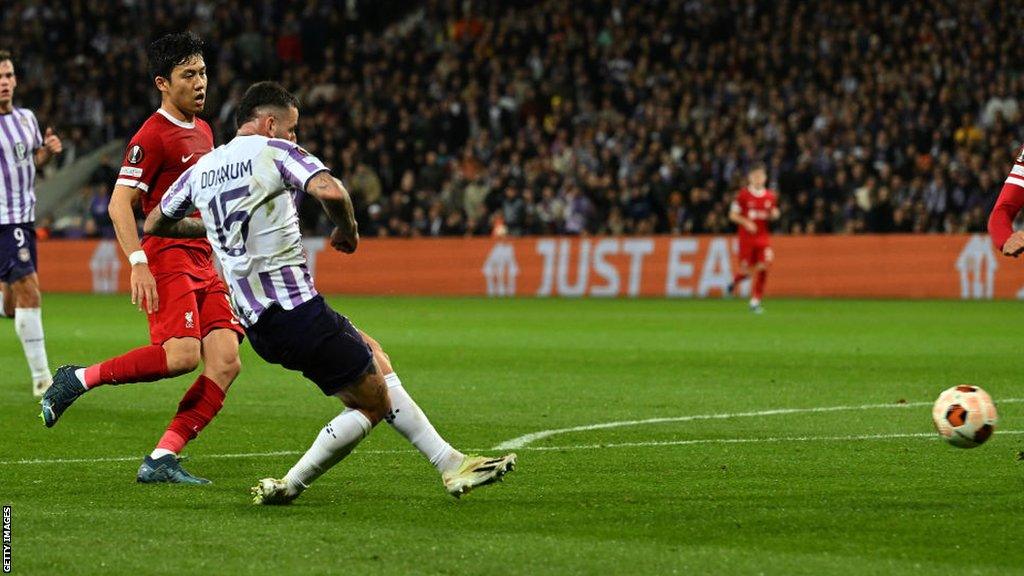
x,y
521,443
850,438
527,439
651,444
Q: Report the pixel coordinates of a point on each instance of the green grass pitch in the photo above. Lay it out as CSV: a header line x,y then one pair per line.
x,y
741,499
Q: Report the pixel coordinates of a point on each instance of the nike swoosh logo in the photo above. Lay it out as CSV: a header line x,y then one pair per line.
x,y
185,159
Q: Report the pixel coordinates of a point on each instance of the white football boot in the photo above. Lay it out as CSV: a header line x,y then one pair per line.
x,y
271,491
477,471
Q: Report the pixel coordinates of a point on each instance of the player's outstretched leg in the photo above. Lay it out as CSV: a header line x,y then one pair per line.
x,y
335,441
144,364
459,473
201,403
367,404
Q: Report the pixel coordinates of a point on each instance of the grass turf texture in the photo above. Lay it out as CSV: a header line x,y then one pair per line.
x,y
487,371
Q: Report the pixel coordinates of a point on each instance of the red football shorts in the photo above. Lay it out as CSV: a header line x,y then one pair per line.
x,y
191,308
752,253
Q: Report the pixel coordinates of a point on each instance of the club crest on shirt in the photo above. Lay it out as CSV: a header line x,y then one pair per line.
x,y
20,150
135,154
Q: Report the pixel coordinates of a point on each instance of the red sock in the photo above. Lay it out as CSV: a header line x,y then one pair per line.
x,y
144,364
199,405
759,282
738,278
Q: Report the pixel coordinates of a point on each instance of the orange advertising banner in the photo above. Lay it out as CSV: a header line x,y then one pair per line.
x,y
892,266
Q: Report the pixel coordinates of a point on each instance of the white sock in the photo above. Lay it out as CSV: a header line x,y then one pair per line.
x,y
333,443
28,323
80,374
407,418
2,314
159,453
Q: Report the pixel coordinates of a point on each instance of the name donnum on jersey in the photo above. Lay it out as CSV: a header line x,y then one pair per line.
x,y
243,190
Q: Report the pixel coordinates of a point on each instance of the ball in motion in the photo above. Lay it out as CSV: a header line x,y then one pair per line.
x,y
965,416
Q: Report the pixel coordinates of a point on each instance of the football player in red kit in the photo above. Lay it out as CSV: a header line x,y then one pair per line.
x,y
173,280
1006,209
755,206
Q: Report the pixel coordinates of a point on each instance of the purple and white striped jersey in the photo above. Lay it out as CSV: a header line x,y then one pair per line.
x,y
242,191
19,139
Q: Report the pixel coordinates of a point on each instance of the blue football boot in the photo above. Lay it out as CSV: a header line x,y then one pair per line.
x,y
66,388
166,470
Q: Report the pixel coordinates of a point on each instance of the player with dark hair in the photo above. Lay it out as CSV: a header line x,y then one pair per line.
x,y
174,281
755,206
242,190
23,149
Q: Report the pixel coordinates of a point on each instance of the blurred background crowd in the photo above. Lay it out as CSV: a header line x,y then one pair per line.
x,y
449,118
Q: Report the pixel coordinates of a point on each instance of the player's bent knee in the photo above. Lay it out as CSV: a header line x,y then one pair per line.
x,y
381,401
26,293
183,355
28,301
224,371
230,369
375,411
179,364
369,395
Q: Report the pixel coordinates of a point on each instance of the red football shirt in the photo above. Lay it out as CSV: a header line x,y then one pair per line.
x,y
160,151
757,207
1008,205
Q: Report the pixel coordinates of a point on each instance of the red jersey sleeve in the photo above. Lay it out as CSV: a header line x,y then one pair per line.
x,y
1008,205
142,161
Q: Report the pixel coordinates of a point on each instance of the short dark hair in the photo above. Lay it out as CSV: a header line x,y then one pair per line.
x,y
6,55
263,94
172,50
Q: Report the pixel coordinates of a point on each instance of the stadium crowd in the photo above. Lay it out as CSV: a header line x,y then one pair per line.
x,y
588,117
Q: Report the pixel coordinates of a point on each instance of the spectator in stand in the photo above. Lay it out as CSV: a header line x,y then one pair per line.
x,y
602,116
